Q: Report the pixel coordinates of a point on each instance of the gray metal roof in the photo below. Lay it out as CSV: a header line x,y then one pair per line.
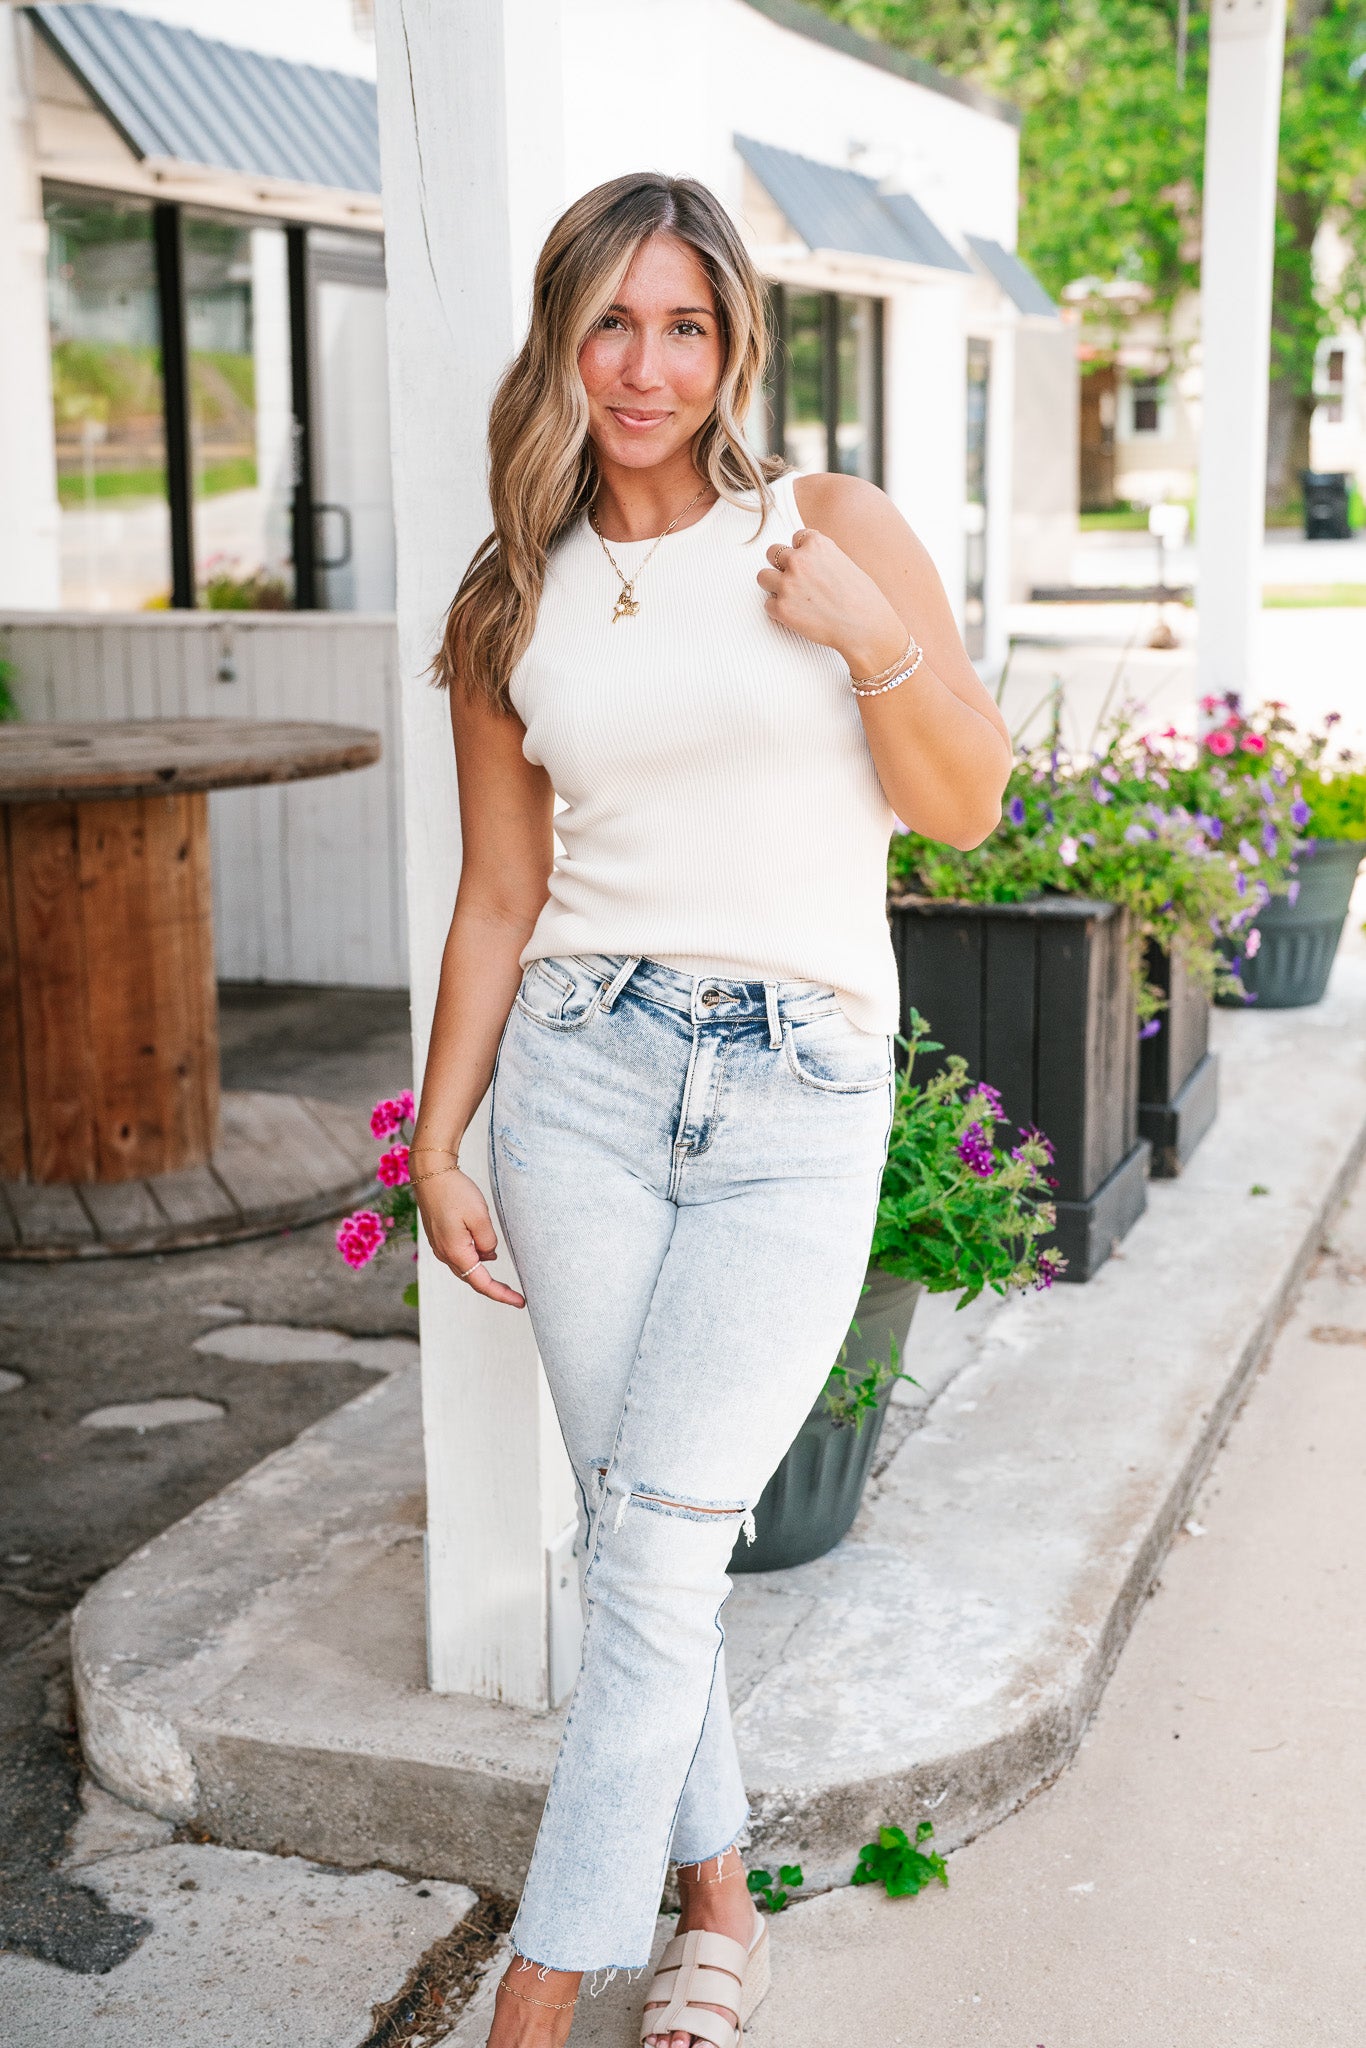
x,y
837,209
1016,279
172,93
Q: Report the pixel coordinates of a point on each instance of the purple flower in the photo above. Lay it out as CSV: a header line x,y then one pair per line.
x,y
1102,796
992,1099
1278,776
1240,883
974,1149
1299,814
1213,826
1292,894
1047,1270
1017,810
1032,1135
1137,835
1249,852
1151,1028
1269,840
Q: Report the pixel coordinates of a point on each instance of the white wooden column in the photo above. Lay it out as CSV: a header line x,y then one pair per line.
x,y
471,136
30,569
1247,47
925,384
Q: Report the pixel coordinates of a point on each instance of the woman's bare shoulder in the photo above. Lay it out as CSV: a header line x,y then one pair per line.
x,y
857,516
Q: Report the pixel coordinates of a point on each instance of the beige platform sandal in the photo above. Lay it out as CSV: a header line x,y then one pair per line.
x,y
701,1969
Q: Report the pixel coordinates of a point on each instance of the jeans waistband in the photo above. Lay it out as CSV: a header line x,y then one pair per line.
x,y
708,997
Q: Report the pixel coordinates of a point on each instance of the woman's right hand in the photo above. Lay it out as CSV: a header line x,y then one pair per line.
x,y
460,1231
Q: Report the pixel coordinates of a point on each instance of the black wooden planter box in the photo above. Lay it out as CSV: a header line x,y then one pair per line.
x,y
1178,1075
1039,1000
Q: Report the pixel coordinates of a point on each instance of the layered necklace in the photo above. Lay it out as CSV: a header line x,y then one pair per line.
x,y
628,604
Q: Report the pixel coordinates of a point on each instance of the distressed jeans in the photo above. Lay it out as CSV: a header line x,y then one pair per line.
x,y
686,1171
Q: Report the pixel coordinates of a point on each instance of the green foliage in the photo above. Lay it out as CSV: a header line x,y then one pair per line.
x,y
1191,843
959,1212
770,1898
229,589
849,1401
112,382
1337,806
898,1863
1112,151
9,709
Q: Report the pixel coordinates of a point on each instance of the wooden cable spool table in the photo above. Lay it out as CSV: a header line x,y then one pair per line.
x,y
108,1002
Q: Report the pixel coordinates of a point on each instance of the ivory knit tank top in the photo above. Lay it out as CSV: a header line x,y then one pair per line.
x,y
720,808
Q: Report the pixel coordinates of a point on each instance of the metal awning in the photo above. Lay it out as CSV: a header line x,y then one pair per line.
x,y
174,94
842,210
1016,279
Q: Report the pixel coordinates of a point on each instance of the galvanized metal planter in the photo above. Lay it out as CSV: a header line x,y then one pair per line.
x,y
1299,940
813,1497
1178,1075
1039,1000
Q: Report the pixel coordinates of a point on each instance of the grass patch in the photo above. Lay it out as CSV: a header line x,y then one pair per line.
x,y
112,483
1114,519
1315,596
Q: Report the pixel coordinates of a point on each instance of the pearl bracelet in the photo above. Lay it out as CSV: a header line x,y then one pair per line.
x,y
912,662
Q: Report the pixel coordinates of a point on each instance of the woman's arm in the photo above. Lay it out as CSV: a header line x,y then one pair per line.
x,y
506,807
857,579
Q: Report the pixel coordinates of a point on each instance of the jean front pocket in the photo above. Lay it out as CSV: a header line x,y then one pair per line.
x,y
561,994
833,1055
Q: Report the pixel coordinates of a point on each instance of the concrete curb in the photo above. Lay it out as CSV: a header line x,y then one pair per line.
x,y
259,1667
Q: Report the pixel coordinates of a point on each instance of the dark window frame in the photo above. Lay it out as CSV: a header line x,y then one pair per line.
x,y
168,237
776,380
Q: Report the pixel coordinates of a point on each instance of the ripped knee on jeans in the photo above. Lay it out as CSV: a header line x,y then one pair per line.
x,y
659,1501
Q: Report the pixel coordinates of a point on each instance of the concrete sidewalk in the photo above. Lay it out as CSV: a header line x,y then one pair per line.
x,y
1194,1880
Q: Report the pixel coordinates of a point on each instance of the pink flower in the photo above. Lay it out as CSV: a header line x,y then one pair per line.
x,y
1252,743
1219,742
360,1236
386,1116
393,1166
1252,944
1067,852
405,1105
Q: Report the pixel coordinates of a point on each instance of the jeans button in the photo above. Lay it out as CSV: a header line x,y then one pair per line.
x,y
712,996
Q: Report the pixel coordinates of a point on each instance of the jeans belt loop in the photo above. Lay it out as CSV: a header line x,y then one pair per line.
x,y
618,982
775,1028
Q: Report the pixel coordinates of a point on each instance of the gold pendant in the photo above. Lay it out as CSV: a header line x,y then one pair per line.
x,y
626,606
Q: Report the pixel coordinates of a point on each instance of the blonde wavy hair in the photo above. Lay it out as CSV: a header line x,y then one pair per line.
x,y
542,469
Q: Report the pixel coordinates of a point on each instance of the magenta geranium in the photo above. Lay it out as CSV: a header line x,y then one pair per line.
x,y
360,1236
363,1235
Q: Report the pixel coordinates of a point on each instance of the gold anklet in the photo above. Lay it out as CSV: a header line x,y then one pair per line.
x,y
721,1877
546,2005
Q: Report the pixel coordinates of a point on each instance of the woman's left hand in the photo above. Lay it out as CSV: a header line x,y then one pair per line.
x,y
816,590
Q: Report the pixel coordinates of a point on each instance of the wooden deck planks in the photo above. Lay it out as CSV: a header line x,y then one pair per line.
x,y
283,1160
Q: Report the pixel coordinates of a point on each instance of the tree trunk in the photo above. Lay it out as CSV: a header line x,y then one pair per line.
x,y
1289,413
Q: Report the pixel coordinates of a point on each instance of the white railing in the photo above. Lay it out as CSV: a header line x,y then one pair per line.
x,y
308,876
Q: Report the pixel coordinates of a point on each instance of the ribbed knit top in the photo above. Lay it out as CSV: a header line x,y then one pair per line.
x,y
720,808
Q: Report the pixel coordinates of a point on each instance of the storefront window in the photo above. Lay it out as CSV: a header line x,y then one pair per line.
x,y
825,387
858,348
108,414
241,412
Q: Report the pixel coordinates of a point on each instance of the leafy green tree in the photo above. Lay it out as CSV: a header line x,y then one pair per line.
x,y
1112,155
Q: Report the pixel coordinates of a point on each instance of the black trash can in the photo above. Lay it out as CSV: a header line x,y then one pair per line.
x,y
1325,504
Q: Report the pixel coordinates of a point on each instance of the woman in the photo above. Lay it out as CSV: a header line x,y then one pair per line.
x,y
732,679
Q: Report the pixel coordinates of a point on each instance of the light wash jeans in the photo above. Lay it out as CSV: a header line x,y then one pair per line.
x,y
686,1170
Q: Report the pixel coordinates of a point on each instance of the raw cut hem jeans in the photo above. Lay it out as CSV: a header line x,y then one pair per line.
x,y
686,1171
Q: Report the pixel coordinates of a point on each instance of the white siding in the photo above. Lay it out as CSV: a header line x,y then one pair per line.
x,y
307,876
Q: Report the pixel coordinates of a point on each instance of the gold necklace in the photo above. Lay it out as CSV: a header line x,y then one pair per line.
x,y
627,604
